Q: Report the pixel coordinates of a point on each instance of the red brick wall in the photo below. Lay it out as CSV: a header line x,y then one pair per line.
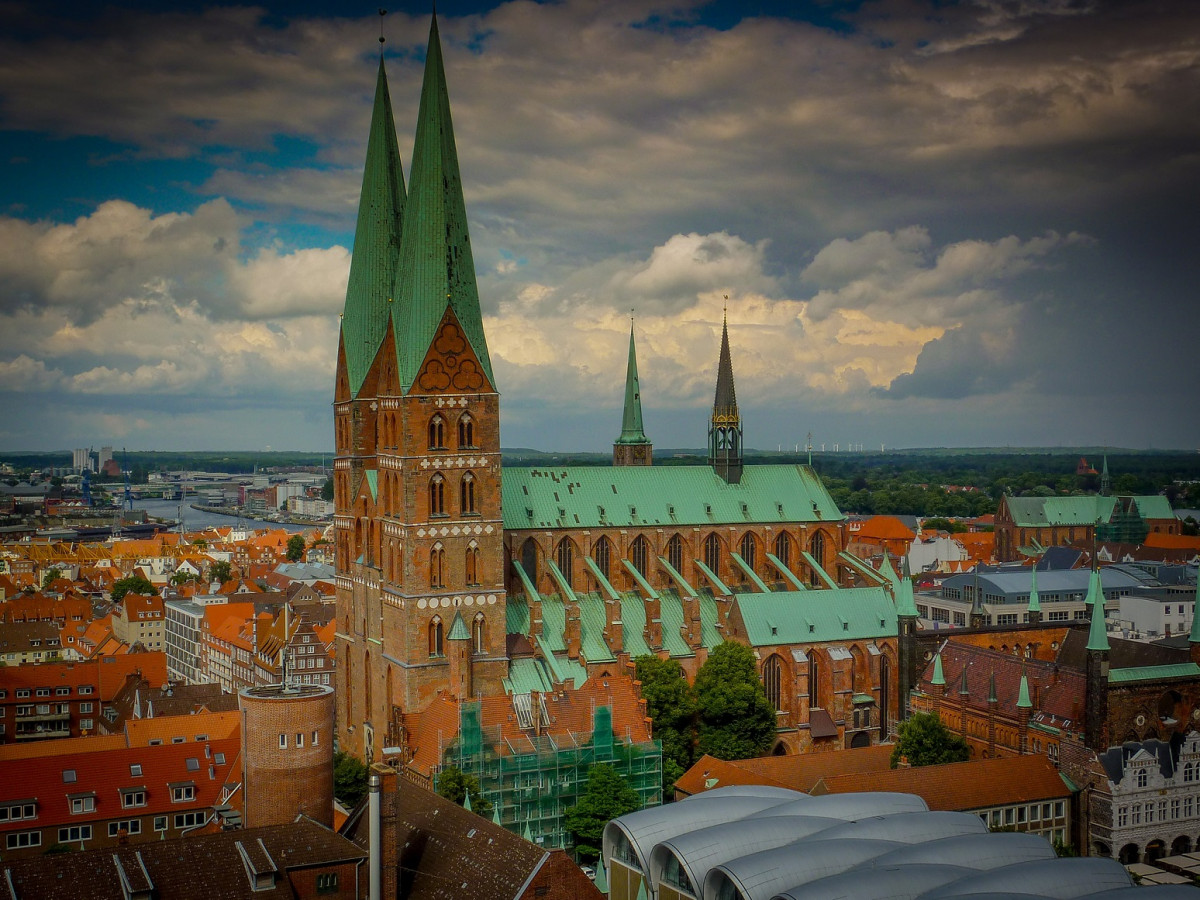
x,y
281,782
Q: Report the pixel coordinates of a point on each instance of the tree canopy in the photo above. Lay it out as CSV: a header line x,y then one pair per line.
x,y
671,704
606,797
456,785
51,574
925,741
295,548
735,719
349,779
131,584
220,571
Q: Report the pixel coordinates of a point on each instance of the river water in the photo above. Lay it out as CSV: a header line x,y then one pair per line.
x,y
197,520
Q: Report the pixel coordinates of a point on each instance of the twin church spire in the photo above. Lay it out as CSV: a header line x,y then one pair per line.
x,y
412,266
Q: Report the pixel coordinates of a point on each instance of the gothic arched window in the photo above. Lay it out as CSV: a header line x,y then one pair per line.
x,y
749,550
639,553
675,553
712,553
602,555
437,433
564,556
773,680
478,635
437,566
472,564
783,548
468,494
466,431
816,550
437,496
436,647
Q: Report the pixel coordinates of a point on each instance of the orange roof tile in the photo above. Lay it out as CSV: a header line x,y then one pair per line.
x,y
885,528
1172,541
962,787
63,746
168,729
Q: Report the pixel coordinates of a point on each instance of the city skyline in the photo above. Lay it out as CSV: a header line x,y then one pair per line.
x,y
959,226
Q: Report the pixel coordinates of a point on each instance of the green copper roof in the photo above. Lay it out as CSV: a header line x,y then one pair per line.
x,y
1097,630
1043,512
906,603
1095,589
373,482
962,688
1034,603
793,617
458,629
376,242
632,431
601,881
436,270
992,689
1154,673
1023,701
939,677
662,496
1194,634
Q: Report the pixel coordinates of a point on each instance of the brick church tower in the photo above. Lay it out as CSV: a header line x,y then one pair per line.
x,y
417,427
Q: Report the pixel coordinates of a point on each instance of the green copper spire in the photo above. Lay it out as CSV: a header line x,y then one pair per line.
x,y
992,689
496,815
962,687
1034,603
467,802
376,242
632,431
1097,630
939,678
886,569
601,881
1194,634
1023,701
436,270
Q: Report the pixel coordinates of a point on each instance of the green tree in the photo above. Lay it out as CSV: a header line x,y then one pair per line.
x,y
51,574
606,797
735,719
456,785
327,489
295,547
182,578
349,779
925,741
131,584
220,571
671,703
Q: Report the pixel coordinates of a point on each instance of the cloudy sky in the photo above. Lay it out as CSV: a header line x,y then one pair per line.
x,y
937,224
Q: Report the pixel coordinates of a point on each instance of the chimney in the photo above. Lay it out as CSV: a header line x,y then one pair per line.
x,y
375,834
383,808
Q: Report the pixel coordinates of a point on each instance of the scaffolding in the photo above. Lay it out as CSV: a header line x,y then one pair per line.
x,y
532,780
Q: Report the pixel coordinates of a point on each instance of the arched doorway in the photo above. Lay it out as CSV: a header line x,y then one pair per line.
x,y
780,749
1156,849
860,739
1181,844
1129,855
1101,849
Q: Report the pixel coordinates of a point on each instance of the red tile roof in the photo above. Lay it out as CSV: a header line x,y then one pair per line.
x,y
965,786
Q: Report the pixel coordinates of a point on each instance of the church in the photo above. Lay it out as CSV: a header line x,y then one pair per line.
x,y
487,619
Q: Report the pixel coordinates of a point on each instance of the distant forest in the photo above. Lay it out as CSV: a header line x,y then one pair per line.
x,y
916,482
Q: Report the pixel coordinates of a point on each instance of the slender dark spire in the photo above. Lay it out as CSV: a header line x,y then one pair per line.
x,y
376,241
436,269
1105,480
725,427
632,448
